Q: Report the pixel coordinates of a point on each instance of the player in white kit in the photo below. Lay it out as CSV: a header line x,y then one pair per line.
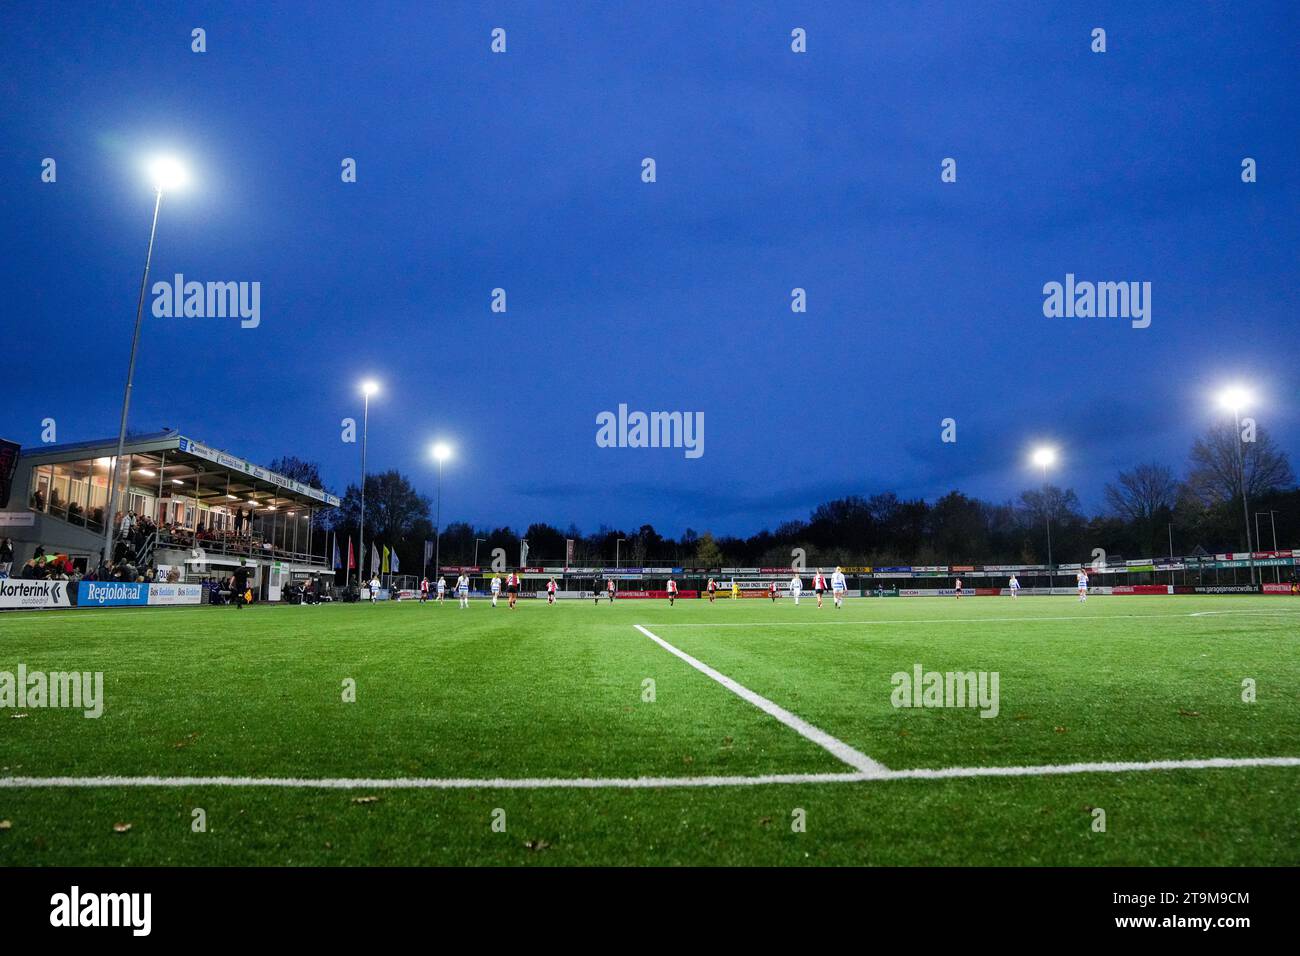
x,y
796,588
1083,584
462,590
838,587
1014,584
496,588
442,589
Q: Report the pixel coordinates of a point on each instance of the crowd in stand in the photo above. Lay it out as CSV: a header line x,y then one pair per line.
x,y
42,566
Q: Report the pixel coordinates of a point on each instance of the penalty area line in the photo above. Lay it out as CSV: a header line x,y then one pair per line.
x,y
644,783
838,748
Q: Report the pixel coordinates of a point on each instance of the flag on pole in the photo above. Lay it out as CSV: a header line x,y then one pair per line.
x,y
338,561
352,559
384,568
428,551
374,557
397,568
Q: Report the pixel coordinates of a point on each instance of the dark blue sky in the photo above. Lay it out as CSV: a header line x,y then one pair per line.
x,y
775,170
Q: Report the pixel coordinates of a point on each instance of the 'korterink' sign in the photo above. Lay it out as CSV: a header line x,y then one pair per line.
x,y
23,593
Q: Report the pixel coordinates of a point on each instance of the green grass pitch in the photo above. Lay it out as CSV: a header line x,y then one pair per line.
x,y
558,693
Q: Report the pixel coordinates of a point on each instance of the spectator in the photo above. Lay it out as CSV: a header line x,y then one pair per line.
x,y
6,557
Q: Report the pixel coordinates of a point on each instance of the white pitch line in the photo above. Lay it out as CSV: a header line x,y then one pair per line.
x,y
644,783
842,751
1127,618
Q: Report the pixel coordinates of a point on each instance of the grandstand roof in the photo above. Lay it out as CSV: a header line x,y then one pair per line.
x,y
199,470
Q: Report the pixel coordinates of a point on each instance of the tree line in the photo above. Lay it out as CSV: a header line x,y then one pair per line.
x,y
1148,511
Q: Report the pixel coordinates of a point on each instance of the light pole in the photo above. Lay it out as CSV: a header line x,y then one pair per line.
x,y
476,543
368,388
1043,457
441,452
616,545
1235,397
167,174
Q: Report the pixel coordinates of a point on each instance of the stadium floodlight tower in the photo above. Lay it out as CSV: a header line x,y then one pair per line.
x,y
368,387
1044,457
441,452
1236,397
167,174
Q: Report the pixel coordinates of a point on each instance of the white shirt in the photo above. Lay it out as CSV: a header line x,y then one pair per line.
x,y
496,584
1014,582
796,583
462,582
1083,580
442,585
837,579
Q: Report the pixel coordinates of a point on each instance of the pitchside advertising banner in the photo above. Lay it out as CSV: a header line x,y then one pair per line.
x,y
18,593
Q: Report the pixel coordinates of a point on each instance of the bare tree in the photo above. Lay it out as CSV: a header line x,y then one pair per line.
x,y
1214,476
1143,493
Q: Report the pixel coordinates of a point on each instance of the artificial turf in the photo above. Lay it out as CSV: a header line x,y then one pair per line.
x,y
561,692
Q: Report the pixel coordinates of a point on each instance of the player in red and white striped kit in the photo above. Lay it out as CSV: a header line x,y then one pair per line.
x,y
672,591
550,591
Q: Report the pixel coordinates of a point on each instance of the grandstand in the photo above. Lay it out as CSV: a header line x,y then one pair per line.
x,y
188,509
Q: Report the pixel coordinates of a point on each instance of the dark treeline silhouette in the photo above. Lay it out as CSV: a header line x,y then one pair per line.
x,y
1148,512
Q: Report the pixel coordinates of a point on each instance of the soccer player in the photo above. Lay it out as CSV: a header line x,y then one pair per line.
x,y
609,589
374,588
712,588
1014,584
550,591
462,590
771,590
424,590
838,587
958,589
1083,585
672,591
735,590
796,588
512,588
496,588
819,585
442,588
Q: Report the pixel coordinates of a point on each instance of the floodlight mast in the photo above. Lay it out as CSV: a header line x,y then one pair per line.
x,y
167,174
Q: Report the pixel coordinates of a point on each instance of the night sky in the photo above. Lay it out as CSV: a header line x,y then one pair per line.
x,y
775,170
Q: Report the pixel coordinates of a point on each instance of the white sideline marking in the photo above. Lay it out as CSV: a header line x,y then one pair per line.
x,y
855,759
967,620
637,783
